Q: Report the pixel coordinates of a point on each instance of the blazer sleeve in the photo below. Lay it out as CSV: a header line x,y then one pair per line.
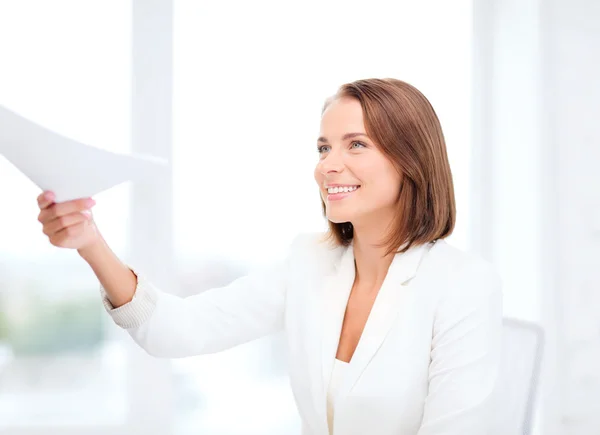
x,y
465,355
168,326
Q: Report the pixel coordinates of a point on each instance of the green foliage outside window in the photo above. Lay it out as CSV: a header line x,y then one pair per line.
x,y
51,327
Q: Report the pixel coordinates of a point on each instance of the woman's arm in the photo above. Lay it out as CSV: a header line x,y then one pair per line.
x,y
465,355
115,277
168,326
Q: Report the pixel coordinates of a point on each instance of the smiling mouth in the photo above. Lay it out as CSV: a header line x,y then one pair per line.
x,y
342,189
340,193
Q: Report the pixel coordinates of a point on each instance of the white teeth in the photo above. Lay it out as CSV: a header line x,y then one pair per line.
x,y
344,189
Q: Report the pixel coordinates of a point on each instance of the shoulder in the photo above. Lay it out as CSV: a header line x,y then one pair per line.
x,y
308,240
314,244
455,262
461,273
309,250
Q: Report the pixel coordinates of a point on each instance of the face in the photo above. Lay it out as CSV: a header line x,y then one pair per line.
x,y
358,183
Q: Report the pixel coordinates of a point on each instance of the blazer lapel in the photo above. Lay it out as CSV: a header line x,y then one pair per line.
x,y
386,307
336,291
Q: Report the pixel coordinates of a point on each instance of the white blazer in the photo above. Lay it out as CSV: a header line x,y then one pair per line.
x,y
426,363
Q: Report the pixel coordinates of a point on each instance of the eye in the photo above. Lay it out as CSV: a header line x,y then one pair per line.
x,y
321,149
357,143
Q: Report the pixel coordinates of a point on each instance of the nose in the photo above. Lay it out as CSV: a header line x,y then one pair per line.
x,y
332,163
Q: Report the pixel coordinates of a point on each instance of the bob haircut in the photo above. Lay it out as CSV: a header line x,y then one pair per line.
x,y
404,126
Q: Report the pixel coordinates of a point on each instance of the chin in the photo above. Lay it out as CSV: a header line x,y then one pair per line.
x,y
339,218
337,221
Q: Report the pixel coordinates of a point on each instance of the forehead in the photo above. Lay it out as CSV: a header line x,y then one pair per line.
x,y
342,116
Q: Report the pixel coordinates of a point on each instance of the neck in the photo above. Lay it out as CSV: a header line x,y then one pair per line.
x,y
371,262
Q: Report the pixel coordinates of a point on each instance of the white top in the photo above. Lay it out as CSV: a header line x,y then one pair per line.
x,y
336,376
429,355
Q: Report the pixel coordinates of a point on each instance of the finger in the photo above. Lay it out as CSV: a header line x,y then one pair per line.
x,y
45,199
57,210
62,222
73,231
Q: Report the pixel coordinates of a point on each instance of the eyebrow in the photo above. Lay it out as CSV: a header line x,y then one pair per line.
x,y
345,137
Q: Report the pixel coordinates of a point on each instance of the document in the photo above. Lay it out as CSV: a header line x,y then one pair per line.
x,y
66,167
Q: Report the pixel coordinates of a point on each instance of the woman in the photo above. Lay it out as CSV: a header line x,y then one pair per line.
x,y
390,330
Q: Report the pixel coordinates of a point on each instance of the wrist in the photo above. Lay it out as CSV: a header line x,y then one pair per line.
x,y
90,251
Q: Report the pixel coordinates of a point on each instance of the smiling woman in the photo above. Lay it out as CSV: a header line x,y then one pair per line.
x,y
389,326
237,126
401,165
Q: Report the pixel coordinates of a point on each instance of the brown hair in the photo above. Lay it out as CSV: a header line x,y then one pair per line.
x,y
404,126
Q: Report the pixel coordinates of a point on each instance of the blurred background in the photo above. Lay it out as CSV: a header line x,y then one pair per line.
x,y
231,93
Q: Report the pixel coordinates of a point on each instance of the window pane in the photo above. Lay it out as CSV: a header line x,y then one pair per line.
x,y
66,66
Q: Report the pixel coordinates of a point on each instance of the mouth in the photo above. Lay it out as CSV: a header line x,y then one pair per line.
x,y
338,193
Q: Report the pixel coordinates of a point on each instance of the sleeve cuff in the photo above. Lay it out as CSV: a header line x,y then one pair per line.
x,y
136,312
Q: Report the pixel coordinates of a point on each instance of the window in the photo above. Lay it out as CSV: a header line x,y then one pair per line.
x,y
61,361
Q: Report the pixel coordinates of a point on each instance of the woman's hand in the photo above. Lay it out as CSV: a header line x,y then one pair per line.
x,y
68,224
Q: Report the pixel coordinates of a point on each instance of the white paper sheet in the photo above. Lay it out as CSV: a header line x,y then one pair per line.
x,y
66,167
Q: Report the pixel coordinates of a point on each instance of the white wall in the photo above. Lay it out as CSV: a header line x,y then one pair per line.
x,y
537,100
572,108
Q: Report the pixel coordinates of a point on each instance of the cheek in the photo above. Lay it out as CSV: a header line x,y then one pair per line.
x,y
386,182
318,176
377,172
